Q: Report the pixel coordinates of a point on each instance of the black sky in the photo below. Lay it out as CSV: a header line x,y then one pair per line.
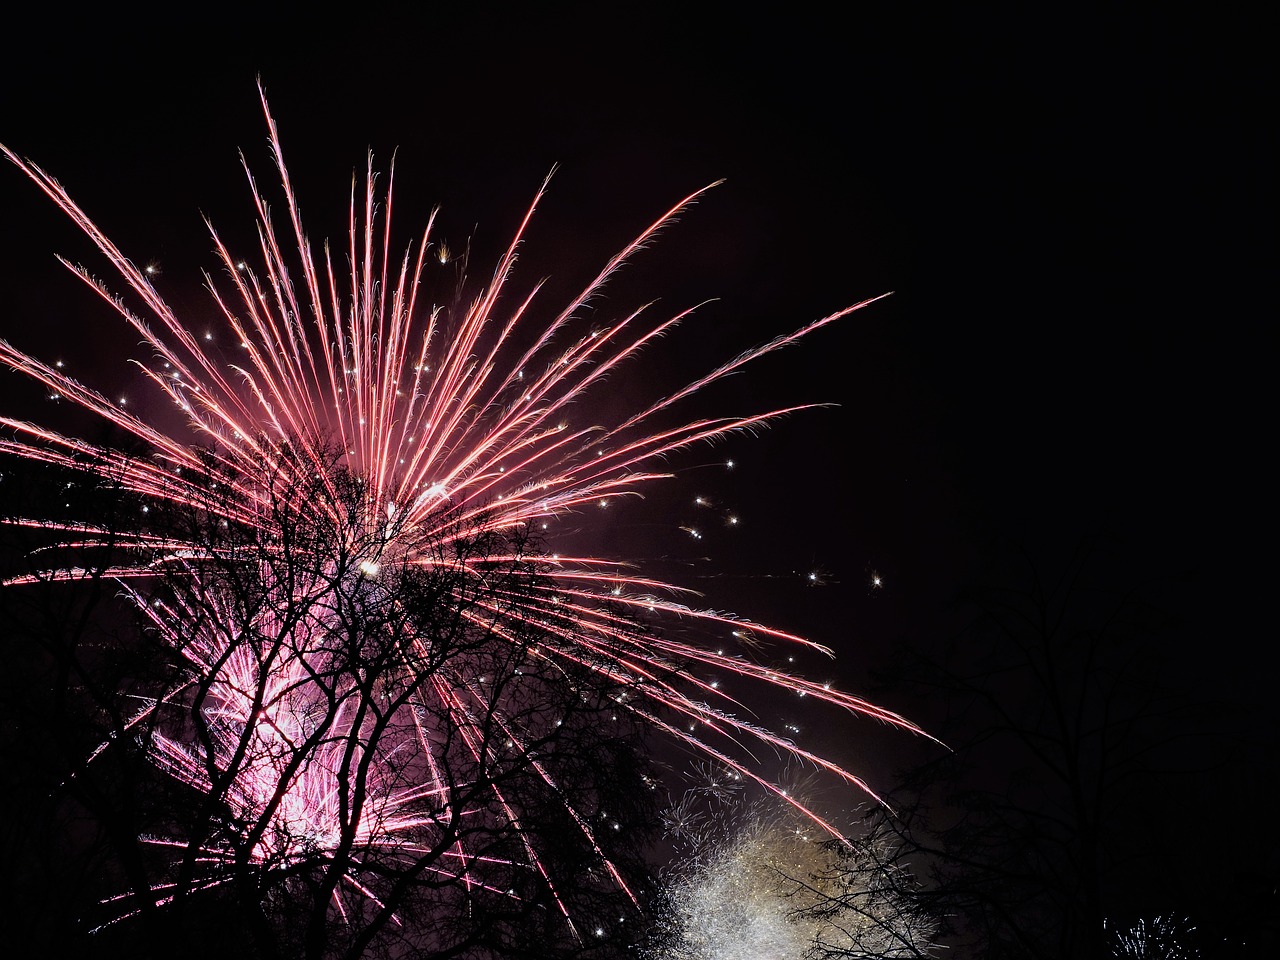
x,y
1073,209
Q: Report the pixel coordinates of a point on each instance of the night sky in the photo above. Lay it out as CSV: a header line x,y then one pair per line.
x,y
1072,210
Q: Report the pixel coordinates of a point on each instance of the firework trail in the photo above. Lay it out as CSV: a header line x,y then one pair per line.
x,y
457,425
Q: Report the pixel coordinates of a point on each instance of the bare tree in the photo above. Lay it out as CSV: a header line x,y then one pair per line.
x,y
354,749
866,896
72,662
1060,726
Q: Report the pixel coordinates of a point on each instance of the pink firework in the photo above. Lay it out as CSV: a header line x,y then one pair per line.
x,y
407,433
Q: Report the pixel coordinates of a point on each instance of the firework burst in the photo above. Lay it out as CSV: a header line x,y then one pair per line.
x,y
406,433
764,884
1160,938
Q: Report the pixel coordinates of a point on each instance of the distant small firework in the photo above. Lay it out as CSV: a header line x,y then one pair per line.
x,y
1159,938
458,423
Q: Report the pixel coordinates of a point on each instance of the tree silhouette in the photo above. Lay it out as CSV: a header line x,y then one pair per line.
x,y
1041,820
333,750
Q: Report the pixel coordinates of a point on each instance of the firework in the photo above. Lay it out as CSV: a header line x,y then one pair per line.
x,y
405,433
1160,938
765,884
